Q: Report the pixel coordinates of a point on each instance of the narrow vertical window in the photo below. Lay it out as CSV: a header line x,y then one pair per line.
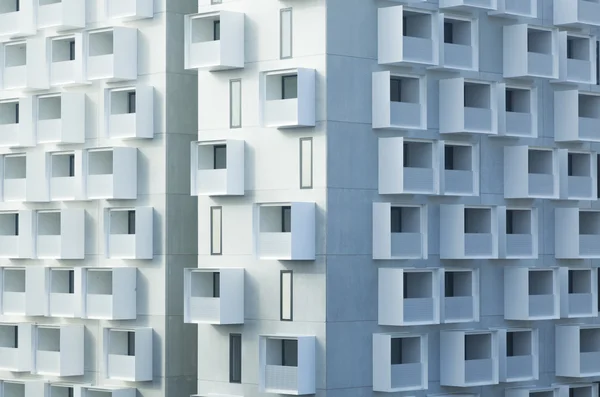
x,y
289,352
70,392
71,274
216,30
286,295
509,221
570,164
405,154
404,26
17,113
131,102
509,100
396,219
448,157
396,351
597,62
71,165
71,50
289,86
448,32
130,343
16,331
285,33
235,103
569,48
131,222
17,5
235,358
306,163
16,224
219,157
571,282
286,219
215,231
509,344
448,285
216,285
395,89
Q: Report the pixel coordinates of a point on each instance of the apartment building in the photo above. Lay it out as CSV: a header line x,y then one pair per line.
x,y
96,117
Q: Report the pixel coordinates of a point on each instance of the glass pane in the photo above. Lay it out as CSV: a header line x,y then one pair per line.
x,y
236,103
286,295
286,33
306,166
289,86
215,236
220,157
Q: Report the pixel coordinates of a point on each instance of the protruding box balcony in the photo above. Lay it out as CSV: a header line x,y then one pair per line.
x,y
459,43
530,52
577,350
108,391
110,293
16,128
66,179
459,175
61,14
128,354
14,298
408,297
579,390
469,5
214,296
577,233
399,101
112,54
14,184
519,355
400,362
286,231
531,294
399,231
17,19
61,234
129,112
407,36
21,388
65,55
518,111
214,41
25,66
129,233
578,174
459,299
576,116
218,168
129,10
530,172
14,69
59,350
468,107
63,292
287,364
61,118
16,234
289,98
468,232
578,292
408,166
516,9
518,239
15,347
554,391
469,358
112,173
577,58
577,13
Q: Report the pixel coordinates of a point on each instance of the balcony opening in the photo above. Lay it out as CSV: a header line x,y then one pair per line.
x,y
518,343
415,24
49,223
121,342
61,391
212,157
518,100
13,389
589,222
63,165
404,89
205,284
417,285
99,282
579,164
478,220
9,336
276,219
9,112
540,161
8,6
206,29
477,95
100,162
14,280
518,222
62,281
581,391
15,55
48,339
589,340
282,352
49,107
580,281
281,87
101,43
63,49
122,102
122,222
405,350
478,347
457,31
578,48
458,158
9,224
547,393
458,284
589,106
405,219
49,2
541,282
539,41
417,154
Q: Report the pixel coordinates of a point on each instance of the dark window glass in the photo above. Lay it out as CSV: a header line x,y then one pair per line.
x,y
405,286
17,5
404,26
570,158
72,50
448,32
235,358
17,113
396,351
448,284
131,102
569,49
289,87
598,66
448,157
509,101
16,331
216,30
289,353
571,282
405,154
396,219
71,165
131,343
509,344
16,224
395,89
216,285
70,392
131,222
220,157
71,281
286,219
509,221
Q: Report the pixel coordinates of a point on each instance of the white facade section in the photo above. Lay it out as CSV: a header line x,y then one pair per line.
x,y
578,292
61,15
532,293
576,117
109,293
459,296
459,42
577,58
577,350
518,110
63,292
218,168
130,10
519,355
399,231
111,54
469,5
17,128
66,60
61,118
578,174
519,237
400,362
128,354
516,9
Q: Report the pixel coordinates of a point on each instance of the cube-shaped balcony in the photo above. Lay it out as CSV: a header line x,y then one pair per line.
x,y
554,391
469,358
530,52
16,234
218,168
579,390
20,388
468,106
15,347
531,293
129,10
408,297
25,66
516,9
15,65
214,41
399,101
14,184
469,5
16,129
577,13
577,233
287,364
530,172
459,175
59,350
128,354
519,355
64,292
468,232
129,233
108,391
576,116
14,298
129,112
400,362
286,231
16,19
577,350
66,179
289,98
518,111
578,175
61,14
459,299
112,54
112,173
61,234
110,293
578,292
459,43
61,118
407,36
214,296
518,239
399,231
56,389
66,60
577,58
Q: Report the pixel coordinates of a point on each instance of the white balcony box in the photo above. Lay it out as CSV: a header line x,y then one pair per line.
x,y
14,184
408,297
469,5
518,111
578,292
577,58
530,52
110,293
289,98
399,231
468,106
112,54
519,355
16,127
129,10
16,234
23,66
286,231
516,9
55,389
61,14
129,233
459,297
469,358
400,362
399,101
459,175
468,232
576,116
66,179
579,390
286,364
554,391
577,350
112,173
459,42
15,347
577,13
129,112
59,350
530,172
214,41
577,233
407,36
218,168
13,284
214,296
16,19
128,354
65,55
61,118
518,233
531,293
108,391
61,234
64,292
408,166
578,174
23,388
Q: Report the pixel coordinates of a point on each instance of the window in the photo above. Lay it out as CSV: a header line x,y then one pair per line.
x,y
286,219
509,100
17,113
509,344
285,27
289,86
215,1
570,164
509,221
405,286
235,358
71,50
448,157
570,43
396,351
395,89
219,157
71,165
216,30
130,343
235,103
71,275
448,32
306,163
396,219
404,26
16,224
131,102
597,62
216,232
17,5
289,353
286,295
131,222
216,284
449,285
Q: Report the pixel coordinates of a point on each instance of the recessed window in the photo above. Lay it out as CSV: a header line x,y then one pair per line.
x,y
518,100
9,224
289,352
216,235
405,350
9,336
539,41
579,282
478,347
306,163
9,112
216,281
289,86
457,31
286,295
286,219
235,103
63,165
578,48
518,222
405,219
131,102
457,284
477,220
15,55
235,358
217,30
122,222
219,157
62,281
578,164
285,21
63,49
457,157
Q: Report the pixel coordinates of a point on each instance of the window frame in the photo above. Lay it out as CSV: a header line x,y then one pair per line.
x,y
131,102
238,107
216,284
235,361
72,49
311,163
213,211
282,12
216,30
283,91
286,209
217,148
281,291
131,222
